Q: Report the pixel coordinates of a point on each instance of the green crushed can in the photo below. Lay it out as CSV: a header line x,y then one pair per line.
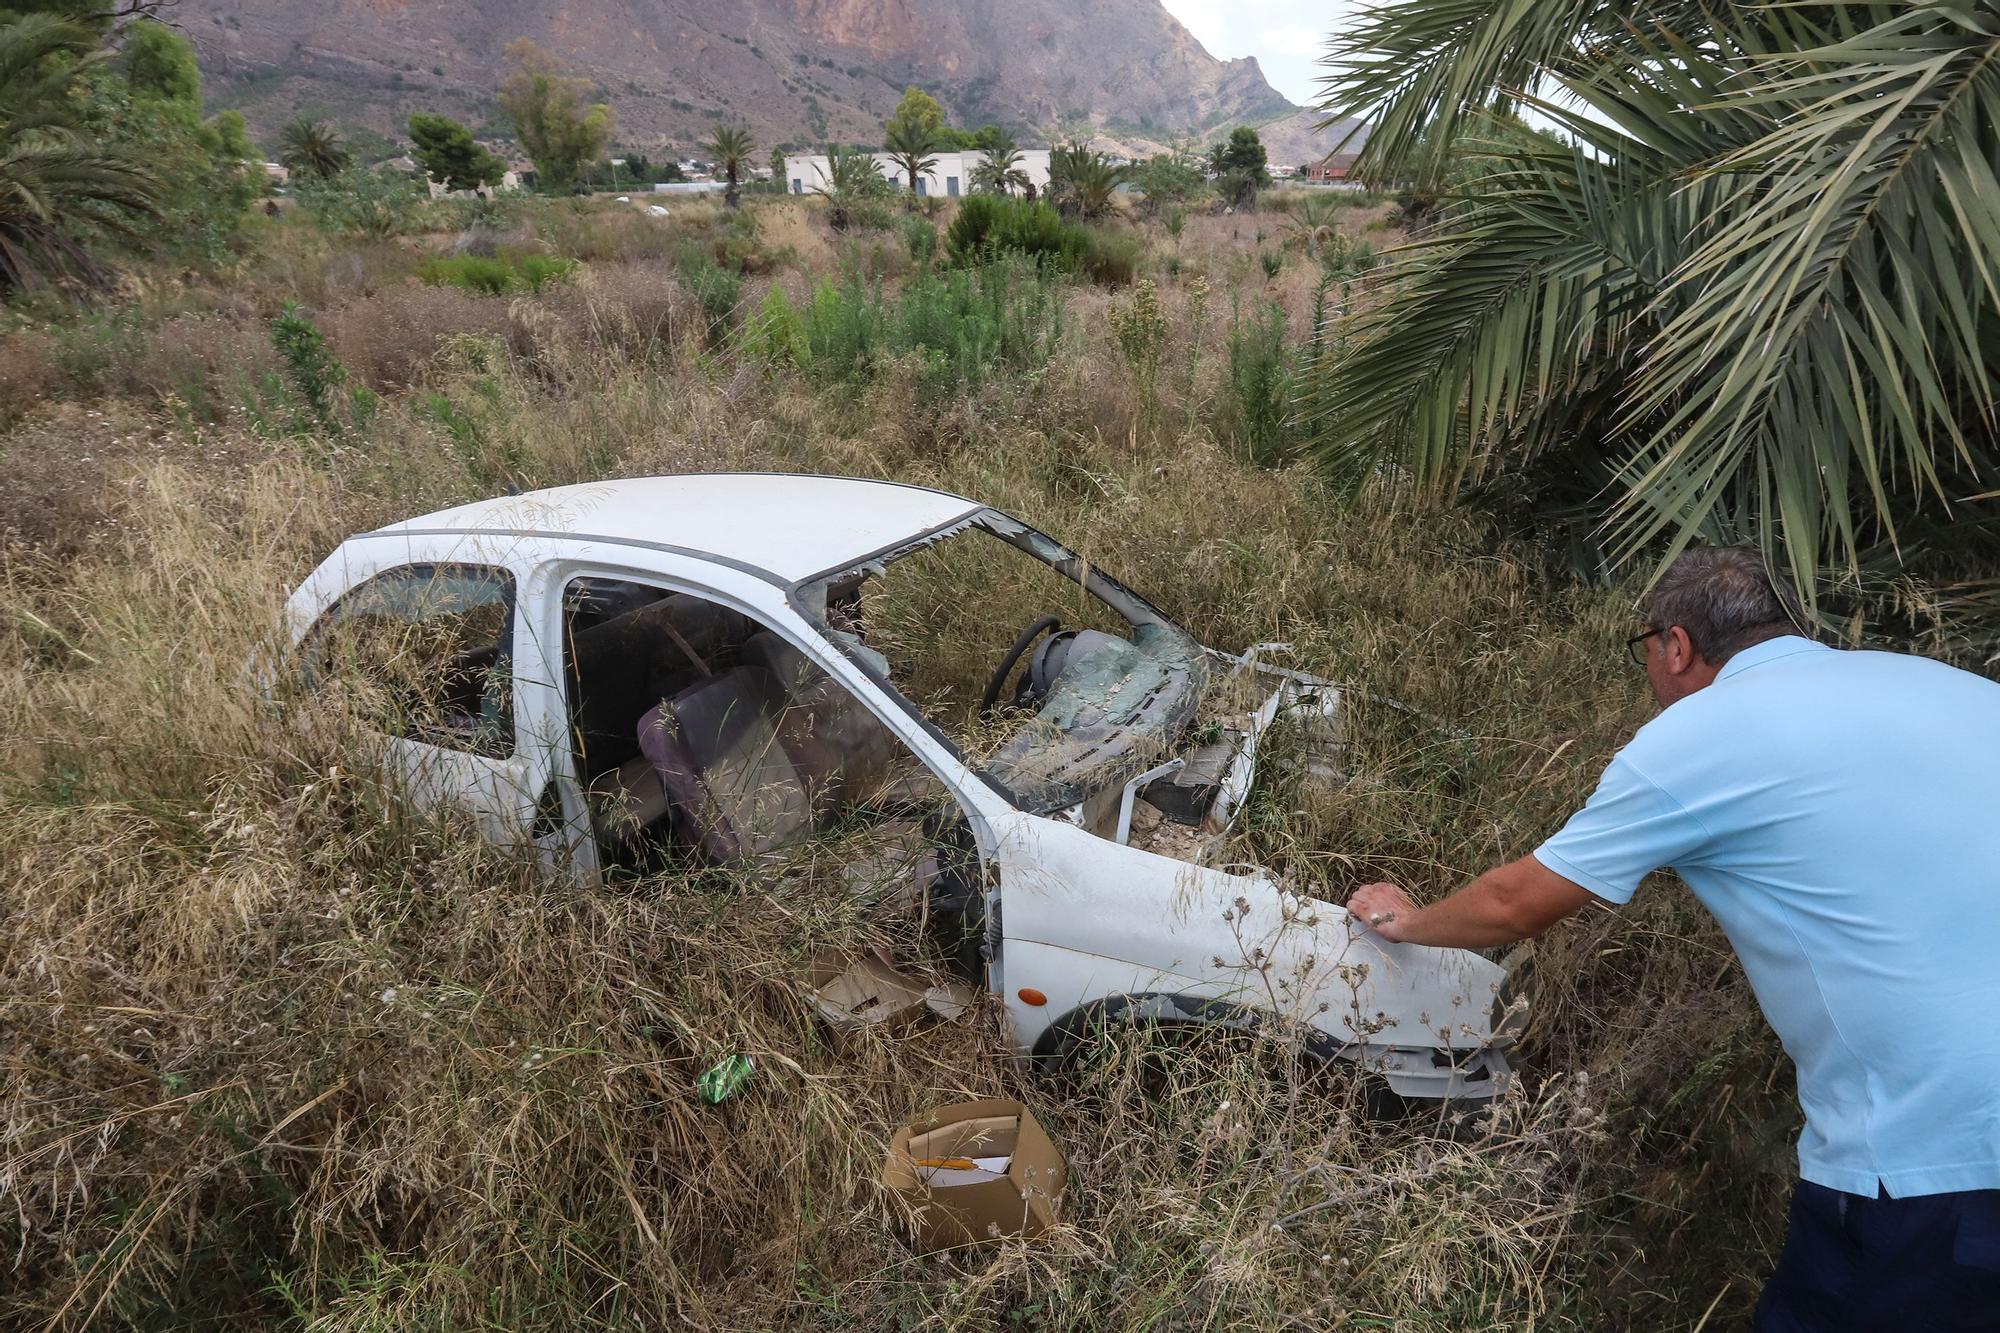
x,y
724,1078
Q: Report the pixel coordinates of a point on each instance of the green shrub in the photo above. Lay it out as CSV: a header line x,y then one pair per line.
x,y
488,277
965,238
966,325
990,225
1107,258
1140,328
920,238
375,204
1263,375
495,277
540,270
312,390
310,369
736,247
494,214
776,334
1345,256
716,288
1271,262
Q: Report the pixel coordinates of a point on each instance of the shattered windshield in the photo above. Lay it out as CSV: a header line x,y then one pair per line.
x,y
1047,674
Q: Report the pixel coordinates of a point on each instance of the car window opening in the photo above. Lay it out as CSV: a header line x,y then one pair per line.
x,y
425,653
1052,679
703,735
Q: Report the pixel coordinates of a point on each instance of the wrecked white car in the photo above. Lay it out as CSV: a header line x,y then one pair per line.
x,y
716,668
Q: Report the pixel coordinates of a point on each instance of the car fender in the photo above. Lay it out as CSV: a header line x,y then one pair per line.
x,y
1082,918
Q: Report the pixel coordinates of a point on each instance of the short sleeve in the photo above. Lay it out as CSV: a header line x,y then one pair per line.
x,y
1629,829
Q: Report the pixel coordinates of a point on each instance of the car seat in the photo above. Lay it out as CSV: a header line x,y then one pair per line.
x,y
721,761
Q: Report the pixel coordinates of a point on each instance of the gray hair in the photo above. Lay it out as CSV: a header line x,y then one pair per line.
x,y
1726,598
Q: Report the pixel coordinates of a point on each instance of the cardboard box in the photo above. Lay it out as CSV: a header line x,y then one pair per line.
x,y
861,992
946,1175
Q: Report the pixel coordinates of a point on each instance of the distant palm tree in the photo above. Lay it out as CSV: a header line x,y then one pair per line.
x,y
731,148
1082,182
52,174
848,178
314,148
1314,222
1001,171
913,147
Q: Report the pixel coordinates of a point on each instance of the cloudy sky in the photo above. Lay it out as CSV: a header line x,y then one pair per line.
x,y
1286,36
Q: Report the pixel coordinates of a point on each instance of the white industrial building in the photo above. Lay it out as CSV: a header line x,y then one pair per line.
x,y
950,174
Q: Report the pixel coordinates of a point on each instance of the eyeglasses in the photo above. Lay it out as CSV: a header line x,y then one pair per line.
x,y
1634,651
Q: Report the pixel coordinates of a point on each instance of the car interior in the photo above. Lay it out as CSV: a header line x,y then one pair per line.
x,y
703,734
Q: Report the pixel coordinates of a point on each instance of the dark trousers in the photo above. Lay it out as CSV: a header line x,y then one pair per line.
x,y
1851,1262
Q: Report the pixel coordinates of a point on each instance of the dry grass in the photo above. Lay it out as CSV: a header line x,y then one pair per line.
x,y
277,1054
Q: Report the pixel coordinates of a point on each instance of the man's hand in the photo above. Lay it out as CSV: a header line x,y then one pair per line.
x,y
1516,901
1383,908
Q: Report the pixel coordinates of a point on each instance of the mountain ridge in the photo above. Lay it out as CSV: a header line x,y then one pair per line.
x,y
797,72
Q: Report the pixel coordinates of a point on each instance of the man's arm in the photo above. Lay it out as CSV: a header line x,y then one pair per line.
x,y
1516,901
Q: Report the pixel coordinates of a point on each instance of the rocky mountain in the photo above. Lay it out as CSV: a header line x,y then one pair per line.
x,y
795,71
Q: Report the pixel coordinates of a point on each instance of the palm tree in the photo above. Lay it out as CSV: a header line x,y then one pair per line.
x,y
1754,299
1082,182
848,178
313,148
1314,222
731,148
913,147
1000,170
55,182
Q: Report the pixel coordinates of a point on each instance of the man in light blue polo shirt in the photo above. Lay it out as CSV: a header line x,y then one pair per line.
x,y
1839,813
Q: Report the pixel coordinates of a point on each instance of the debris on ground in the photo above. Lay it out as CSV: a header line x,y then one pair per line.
x,y
974,1172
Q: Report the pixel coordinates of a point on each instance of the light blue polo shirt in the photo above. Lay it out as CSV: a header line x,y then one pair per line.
x,y
1839,813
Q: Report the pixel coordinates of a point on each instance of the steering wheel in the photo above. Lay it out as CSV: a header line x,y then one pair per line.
x,y
1013,656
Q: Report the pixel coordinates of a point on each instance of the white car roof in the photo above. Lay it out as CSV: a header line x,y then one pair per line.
x,y
785,525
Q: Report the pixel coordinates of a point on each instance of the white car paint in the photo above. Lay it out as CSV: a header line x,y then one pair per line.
x,y
1082,918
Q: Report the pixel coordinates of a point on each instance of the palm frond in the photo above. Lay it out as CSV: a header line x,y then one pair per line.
x,y
1833,337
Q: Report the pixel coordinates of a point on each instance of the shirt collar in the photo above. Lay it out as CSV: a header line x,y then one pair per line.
x,y
1770,650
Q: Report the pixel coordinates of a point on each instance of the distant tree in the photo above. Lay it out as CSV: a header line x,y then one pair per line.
x,y
778,170
313,148
1082,182
990,136
559,132
732,148
1240,166
1000,171
848,179
640,168
920,108
447,152
56,177
146,102
158,62
912,146
1170,178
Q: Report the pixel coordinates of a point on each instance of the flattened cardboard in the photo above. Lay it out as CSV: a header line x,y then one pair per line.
x,y
1023,1203
860,992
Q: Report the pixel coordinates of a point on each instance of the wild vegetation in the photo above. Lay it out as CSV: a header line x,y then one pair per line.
x,y
274,1052
279,1054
